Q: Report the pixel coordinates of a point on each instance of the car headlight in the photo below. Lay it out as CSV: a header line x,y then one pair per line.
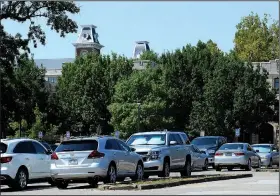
x,y
211,151
155,155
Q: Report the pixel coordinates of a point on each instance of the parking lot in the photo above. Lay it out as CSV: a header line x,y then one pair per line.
x,y
262,183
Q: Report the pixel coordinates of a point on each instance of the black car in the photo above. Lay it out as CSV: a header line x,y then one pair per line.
x,y
209,144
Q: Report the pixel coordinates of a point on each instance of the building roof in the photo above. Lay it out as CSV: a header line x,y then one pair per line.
x,y
53,63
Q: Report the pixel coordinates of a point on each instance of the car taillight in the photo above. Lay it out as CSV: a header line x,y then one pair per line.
x,y
6,159
54,156
239,154
95,154
218,154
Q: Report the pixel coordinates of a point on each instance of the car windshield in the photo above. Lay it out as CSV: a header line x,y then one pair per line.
x,y
3,148
80,145
148,139
231,147
204,141
262,149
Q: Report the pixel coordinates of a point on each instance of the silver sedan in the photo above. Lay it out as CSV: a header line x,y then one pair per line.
x,y
241,155
269,154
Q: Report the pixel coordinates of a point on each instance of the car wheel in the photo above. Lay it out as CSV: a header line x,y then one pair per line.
x,y
205,168
187,169
111,174
93,183
138,173
166,170
230,168
51,182
218,168
21,180
146,177
62,184
248,166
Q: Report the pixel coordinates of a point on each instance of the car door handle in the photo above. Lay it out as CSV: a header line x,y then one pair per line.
x,y
41,158
27,159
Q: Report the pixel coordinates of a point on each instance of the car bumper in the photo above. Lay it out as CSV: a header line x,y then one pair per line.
x,y
72,173
5,179
211,160
6,171
153,166
230,161
265,161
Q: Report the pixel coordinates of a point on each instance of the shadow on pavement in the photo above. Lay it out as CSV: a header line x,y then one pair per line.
x,y
30,187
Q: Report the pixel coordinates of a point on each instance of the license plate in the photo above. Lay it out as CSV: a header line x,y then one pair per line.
x,y
228,154
73,162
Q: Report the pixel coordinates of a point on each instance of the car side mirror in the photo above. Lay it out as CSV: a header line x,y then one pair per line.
x,y
132,149
173,142
274,150
257,151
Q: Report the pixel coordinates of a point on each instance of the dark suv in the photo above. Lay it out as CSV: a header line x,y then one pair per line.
x,y
209,144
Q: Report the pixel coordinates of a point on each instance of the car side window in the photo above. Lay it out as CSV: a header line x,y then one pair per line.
x,y
39,148
249,148
196,149
178,139
123,146
185,138
25,147
112,145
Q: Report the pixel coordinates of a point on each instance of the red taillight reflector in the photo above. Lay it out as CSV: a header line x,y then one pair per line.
x,y
6,159
218,154
95,154
239,153
54,156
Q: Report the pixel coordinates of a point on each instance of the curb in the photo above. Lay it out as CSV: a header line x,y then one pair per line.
x,y
267,170
183,181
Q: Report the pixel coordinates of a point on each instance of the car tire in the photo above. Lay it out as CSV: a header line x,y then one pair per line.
x,y
145,177
139,173
62,184
218,168
165,170
248,167
187,169
205,168
93,183
51,182
230,168
111,174
259,164
21,180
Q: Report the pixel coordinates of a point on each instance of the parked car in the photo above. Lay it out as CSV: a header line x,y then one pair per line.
x,y
269,154
231,155
94,159
163,152
209,144
23,161
200,159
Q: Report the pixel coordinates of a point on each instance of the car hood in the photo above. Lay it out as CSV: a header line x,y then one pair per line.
x,y
146,148
206,147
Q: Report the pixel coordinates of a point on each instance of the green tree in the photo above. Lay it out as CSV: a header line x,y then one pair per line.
x,y
257,39
12,47
144,87
84,91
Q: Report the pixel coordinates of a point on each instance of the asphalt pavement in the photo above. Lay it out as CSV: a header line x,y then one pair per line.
x,y
262,183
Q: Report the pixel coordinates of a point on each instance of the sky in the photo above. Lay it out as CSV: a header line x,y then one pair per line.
x,y
166,25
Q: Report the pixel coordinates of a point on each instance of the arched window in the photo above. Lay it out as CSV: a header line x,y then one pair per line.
x,y
276,83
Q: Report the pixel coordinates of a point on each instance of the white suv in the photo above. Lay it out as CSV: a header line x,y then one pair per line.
x,y
23,161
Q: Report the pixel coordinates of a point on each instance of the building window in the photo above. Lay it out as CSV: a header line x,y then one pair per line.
x,y
52,79
276,83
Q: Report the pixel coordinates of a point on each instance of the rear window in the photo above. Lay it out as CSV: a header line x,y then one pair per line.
x,y
80,145
231,147
3,147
